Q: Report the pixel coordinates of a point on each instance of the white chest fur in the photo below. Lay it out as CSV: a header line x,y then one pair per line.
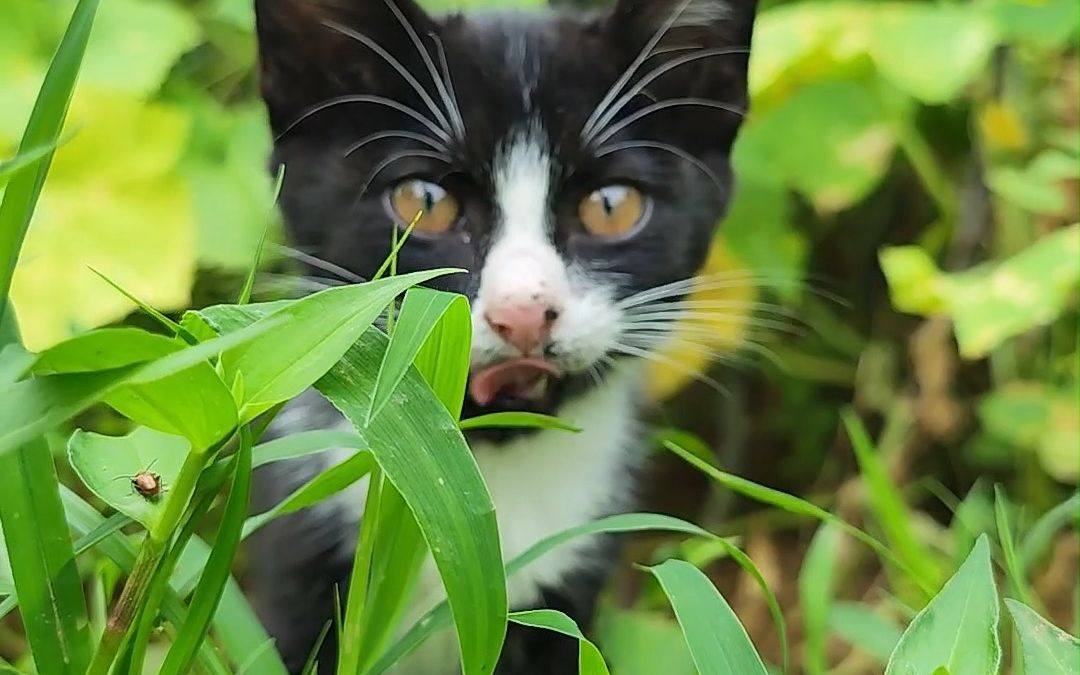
x,y
543,484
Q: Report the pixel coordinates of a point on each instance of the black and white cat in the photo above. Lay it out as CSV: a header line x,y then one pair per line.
x,y
576,164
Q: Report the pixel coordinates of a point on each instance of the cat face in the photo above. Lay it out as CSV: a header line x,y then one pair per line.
x,y
575,164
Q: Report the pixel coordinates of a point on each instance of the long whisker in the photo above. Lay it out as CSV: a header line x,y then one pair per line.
x,y
451,107
663,105
420,138
401,155
631,350
666,147
325,265
642,57
700,324
655,73
445,66
719,281
682,305
368,98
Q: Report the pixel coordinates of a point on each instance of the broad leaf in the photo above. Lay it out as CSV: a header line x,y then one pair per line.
x,y
1047,649
107,465
717,640
957,631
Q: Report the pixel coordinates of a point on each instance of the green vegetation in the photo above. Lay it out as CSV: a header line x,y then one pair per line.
x,y
894,491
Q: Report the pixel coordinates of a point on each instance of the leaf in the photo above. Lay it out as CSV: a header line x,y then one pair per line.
x,y
520,420
590,662
42,403
104,349
888,505
318,329
837,165
215,576
1040,536
862,628
1008,548
421,313
43,129
909,41
1045,25
329,482
107,464
439,617
135,43
957,630
422,453
817,585
717,640
1042,187
23,160
53,608
1047,649
994,301
642,643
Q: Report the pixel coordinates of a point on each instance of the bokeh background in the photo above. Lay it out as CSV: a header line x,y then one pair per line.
x,y
906,221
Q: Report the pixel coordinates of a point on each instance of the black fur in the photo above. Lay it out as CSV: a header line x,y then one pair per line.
x,y
508,70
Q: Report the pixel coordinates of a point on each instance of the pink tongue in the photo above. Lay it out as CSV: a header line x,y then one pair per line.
x,y
513,375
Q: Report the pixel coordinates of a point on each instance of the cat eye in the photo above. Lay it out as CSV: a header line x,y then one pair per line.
x,y
612,211
412,196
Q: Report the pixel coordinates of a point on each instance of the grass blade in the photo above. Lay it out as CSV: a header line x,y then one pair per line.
x,y
249,281
524,420
24,160
791,504
42,130
817,584
968,606
717,640
53,607
1008,548
218,567
590,662
888,506
1041,535
863,628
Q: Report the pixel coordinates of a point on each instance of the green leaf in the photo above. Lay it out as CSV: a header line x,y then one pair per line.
x,y
318,330
42,403
23,160
817,585
421,314
717,640
107,464
53,608
994,301
863,628
1008,548
135,44
422,453
43,129
590,662
215,576
1045,25
522,420
957,630
1041,187
104,349
1047,649
888,505
328,483
1040,536
909,41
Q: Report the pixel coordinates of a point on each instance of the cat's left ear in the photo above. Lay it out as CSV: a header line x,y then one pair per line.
x,y
711,37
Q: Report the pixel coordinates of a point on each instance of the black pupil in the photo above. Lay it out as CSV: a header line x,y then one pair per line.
x,y
608,203
429,199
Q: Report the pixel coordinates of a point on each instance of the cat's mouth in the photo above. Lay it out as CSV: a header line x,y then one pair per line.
x,y
522,383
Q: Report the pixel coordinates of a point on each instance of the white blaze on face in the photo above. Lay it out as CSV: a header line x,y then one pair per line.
x,y
523,268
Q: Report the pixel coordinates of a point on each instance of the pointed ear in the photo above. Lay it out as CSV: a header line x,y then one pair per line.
x,y
713,36
309,51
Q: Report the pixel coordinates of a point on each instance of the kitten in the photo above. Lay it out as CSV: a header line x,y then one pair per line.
x,y
576,164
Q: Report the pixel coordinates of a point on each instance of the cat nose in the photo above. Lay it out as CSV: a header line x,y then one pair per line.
x,y
523,325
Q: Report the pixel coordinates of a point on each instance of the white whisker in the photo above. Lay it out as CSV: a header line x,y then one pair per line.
x,y
666,147
664,105
324,265
390,160
378,136
368,98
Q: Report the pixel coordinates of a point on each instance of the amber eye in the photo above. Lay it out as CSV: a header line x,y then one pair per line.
x,y
611,211
412,196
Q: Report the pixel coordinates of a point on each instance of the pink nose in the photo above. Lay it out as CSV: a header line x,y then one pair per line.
x,y
526,326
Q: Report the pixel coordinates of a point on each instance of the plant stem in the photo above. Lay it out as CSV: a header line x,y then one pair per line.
x,y
352,650
153,549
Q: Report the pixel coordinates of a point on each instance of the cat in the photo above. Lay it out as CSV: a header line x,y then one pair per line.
x,y
576,163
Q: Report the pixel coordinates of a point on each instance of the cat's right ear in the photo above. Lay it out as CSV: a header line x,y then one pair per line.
x,y
311,51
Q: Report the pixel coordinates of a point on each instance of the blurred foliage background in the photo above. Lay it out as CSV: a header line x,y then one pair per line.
x,y
907,205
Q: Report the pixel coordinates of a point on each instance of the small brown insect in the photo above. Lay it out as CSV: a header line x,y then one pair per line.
x,y
147,484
